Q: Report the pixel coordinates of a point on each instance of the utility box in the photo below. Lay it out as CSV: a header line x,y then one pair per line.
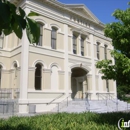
x,y
32,108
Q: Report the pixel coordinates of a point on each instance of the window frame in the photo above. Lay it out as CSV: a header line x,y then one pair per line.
x,y
74,44
38,76
98,50
82,46
41,34
54,38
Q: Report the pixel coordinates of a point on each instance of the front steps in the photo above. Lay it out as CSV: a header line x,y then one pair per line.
x,y
98,106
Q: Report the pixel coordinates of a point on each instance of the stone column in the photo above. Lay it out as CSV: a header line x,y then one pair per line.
x,y
66,64
70,89
24,72
93,67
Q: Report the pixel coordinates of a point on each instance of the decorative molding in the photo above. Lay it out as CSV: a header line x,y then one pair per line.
x,y
39,61
61,33
15,62
46,70
54,64
31,68
61,72
89,75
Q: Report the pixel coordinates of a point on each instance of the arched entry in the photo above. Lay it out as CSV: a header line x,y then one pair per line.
x,y
78,82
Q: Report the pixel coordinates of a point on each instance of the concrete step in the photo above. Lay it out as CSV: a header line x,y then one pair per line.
x,y
101,106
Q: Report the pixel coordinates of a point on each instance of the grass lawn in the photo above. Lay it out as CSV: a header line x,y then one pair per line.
x,y
65,121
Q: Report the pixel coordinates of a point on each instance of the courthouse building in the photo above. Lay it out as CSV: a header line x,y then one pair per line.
x,y
62,64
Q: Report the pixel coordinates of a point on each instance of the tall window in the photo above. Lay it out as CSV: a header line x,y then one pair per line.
x,y
1,41
74,44
38,77
98,51
41,34
107,85
53,38
105,51
82,46
0,74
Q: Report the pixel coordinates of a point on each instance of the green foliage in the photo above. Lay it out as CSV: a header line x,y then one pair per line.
x,y
11,21
65,121
119,32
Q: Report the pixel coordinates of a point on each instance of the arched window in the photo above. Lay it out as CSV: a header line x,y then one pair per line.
x,y
41,34
98,50
54,78
38,76
0,74
74,44
1,40
53,38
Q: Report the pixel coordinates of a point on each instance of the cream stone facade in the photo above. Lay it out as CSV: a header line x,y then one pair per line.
x,y
62,64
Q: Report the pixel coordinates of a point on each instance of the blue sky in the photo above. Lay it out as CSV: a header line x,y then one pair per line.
x,y
102,9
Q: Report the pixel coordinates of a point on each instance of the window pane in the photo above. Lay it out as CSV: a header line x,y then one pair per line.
x,y
53,38
41,34
38,77
98,49
82,46
53,33
74,44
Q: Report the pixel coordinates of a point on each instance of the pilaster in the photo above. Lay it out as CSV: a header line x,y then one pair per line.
x,y
66,64
24,70
93,67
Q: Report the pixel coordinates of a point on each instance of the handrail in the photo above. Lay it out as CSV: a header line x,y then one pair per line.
x,y
64,100
55,98
87,101
88,94
108,94
102,96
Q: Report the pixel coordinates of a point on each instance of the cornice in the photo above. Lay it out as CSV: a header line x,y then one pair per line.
x,y
61,7
64,7
59,18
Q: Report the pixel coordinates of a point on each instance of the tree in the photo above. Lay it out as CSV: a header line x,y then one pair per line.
x,y
15,20
119,32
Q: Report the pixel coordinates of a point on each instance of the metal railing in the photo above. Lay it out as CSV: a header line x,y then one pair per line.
x,y
109,97
9,93
9,101
87,101
55,99
63,103
88,95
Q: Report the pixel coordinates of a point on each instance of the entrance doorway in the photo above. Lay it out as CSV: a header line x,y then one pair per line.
x,y
78,83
